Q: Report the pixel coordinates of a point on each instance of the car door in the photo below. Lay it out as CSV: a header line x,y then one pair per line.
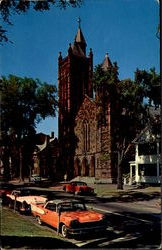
x,y
73,187
51,216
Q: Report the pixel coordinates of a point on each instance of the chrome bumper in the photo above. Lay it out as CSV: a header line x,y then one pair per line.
x,y
86,229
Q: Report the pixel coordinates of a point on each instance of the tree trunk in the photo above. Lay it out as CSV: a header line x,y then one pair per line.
x,y
119,177
119,173
20,165
6,174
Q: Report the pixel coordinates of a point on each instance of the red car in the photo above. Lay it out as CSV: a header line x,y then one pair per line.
x,y
78,187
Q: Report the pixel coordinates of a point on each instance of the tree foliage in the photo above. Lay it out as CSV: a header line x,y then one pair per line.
x,y
150,82
10,7
127,99
24,103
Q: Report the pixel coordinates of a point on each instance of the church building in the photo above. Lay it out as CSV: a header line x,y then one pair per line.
x,y
86,145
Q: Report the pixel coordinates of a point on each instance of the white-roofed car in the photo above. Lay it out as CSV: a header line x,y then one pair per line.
x,y
21,200
69,217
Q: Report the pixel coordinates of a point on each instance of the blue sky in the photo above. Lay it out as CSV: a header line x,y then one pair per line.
x,y
126,29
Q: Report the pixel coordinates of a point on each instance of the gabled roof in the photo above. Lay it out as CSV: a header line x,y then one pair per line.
x,y
145,136
89,98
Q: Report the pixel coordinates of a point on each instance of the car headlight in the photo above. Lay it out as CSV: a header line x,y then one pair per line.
x,y
74,223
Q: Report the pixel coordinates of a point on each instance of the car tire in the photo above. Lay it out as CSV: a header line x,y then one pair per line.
x,y
64,231
39,221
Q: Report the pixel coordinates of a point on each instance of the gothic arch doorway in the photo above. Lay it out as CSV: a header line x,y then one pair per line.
x,y
77,167
92,166
85,167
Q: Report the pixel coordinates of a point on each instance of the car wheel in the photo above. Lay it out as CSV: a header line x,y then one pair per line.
x,y
39,220
64,231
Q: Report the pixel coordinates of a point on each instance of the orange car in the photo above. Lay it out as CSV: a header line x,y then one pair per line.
x,y
69,217
78,187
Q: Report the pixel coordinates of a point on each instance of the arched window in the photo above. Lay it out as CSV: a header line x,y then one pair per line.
x,y
86,136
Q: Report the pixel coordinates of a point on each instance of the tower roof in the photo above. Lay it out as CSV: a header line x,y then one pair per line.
x,y
79,38
79,46
106,63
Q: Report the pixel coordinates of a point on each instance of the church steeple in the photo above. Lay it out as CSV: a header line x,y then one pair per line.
x,y
79,46
106,63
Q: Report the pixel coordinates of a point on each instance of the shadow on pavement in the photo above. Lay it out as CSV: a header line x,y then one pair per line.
x,y
127,232
128,197
10,242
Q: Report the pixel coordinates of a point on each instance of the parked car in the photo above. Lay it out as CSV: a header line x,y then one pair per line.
x,y
70,217
5,188
21,200
78,187
35,178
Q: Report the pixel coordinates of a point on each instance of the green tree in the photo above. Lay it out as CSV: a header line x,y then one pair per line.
x,y
126,97
24,103
150,82
10,7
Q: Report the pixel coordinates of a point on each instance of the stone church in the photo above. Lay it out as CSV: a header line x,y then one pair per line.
x,y
86,146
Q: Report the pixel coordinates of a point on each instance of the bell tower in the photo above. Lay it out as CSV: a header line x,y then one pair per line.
x,y
74,82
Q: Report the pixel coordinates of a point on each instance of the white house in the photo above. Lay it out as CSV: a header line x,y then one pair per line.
x,y
147,165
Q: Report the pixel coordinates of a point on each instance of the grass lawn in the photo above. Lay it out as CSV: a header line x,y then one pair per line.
x,y
16,225
104,190
111,190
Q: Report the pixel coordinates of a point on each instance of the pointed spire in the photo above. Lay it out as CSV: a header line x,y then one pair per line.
x,y
106,63
60,57
70,48
90,52
79,21
79,38
79,46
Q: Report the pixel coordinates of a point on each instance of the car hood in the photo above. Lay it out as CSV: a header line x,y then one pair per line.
x,y
82,216
29,199
32,199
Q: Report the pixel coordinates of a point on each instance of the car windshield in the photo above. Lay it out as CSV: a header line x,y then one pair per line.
x,y
80,184
72,206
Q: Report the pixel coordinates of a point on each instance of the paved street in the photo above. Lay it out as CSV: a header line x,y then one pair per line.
x,y
134,219
127,227
130,224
